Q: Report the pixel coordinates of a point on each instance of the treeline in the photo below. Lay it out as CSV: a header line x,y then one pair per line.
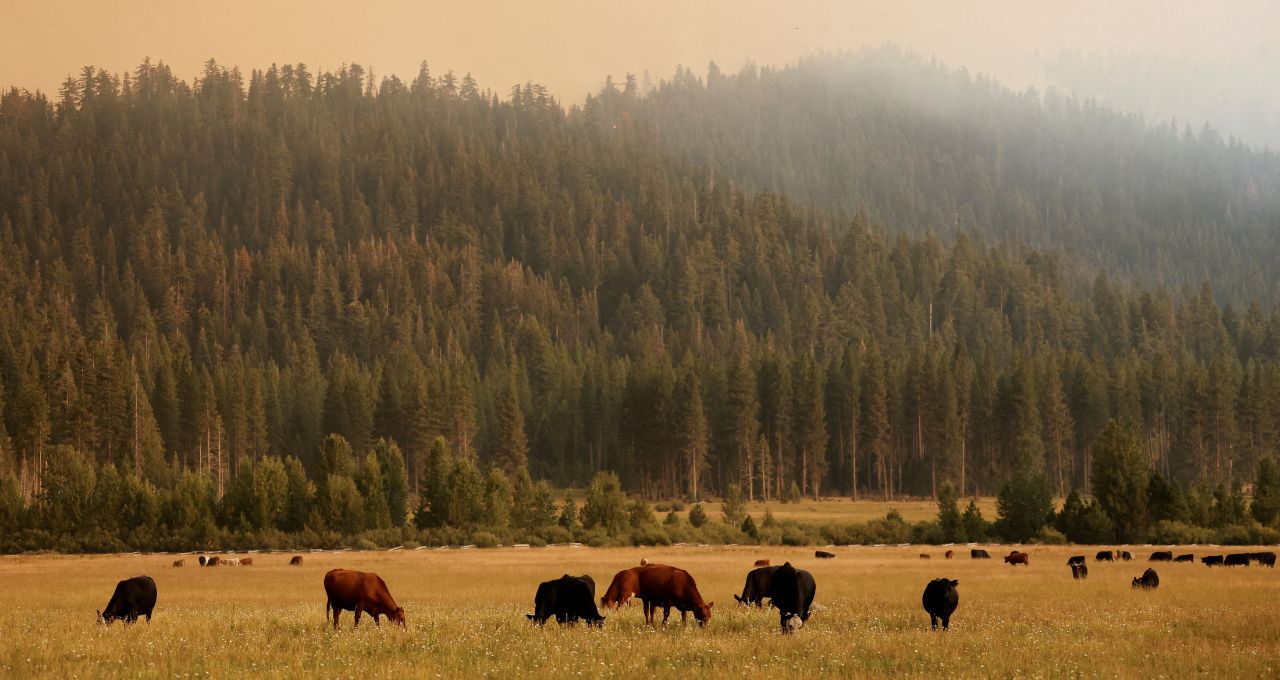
x,y
197,278
924,148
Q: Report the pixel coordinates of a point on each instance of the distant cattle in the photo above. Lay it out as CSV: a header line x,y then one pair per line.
x,y
949,554
791,591
1149,579
1264,558
204,560
667,587
296,561
1104,556
762,563
625,585
822,554
568,599
213,561
1075,559
925,556
133,597
359,592
1079,570
230,561
246,561
979,554
179,563
756,587
940,600
1185,558
1126,555
1237,560
644,561
1017,558
1212,560
1161,556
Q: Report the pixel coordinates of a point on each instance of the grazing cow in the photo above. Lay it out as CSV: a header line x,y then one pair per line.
x,y
214,561
822,554
791,591
1016,558
925,556
978,554
949,554
132,598
624,586
179,563
761,563
1075,559
296,561
1237,560
667,587
1149,579
1079,570
1126,555
360,592
203,560
644,561
231,561
1185,558
568,599
246,561
1161,556
756,587
1212,560
1104,556
940,599
1264,558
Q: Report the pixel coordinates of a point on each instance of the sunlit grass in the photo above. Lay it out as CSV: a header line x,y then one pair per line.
x,y
466,617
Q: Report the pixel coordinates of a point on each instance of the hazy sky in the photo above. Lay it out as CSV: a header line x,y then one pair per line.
x,y
570,45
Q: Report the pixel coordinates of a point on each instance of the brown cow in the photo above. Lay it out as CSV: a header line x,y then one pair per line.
x,y
925,556
213,561
360,592
762,563
1016,558
624,586
949,554
246,561
296,561
179,563
667,587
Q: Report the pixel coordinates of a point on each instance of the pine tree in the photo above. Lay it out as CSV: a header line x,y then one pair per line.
x,y
1120,480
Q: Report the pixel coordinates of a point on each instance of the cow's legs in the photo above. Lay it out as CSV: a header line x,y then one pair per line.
x,y
336,612
946,622
684,617
666,613
933,621
359,611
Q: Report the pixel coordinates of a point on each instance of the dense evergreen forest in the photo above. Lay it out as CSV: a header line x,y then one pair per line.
x,y
923,148
329,303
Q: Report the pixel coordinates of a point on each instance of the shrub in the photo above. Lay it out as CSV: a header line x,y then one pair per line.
x,y
485,539
749,528
1169,532
1050,536
697,516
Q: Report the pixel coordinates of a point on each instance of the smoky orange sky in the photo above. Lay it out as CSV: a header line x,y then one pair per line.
x,y
570,45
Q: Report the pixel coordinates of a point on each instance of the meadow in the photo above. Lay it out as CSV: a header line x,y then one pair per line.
x,y
466,608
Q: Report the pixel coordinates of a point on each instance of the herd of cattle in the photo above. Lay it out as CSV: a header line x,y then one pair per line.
x,y
570,599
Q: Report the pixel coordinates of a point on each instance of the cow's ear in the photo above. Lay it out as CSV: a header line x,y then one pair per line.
x,y
955,582
710,605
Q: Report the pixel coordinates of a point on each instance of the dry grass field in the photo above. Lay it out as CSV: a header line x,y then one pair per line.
x,y
466,609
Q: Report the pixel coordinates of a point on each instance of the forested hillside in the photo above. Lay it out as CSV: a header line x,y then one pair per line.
x,y
924,148
202,281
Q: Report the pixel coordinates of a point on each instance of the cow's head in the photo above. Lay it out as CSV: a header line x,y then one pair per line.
x,y
106,618
954,582
739,600
397,616
703,613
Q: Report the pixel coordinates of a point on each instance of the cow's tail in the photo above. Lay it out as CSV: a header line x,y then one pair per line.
x,y
327,604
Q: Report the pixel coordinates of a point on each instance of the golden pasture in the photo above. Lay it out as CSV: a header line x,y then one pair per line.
x,y
466,610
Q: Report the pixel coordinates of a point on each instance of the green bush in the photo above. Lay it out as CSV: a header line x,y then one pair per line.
x,y
1169,532
1050,536
485,539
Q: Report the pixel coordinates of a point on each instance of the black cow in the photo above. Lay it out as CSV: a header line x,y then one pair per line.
x,y
568,599
1149,579
791,591
757,586
1075,559
1237,560
1185,558
1161,556
1079,571
1264,558
822,554
1212,560
1126,555
978,554
1104,556
203,560
133,597
940,599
